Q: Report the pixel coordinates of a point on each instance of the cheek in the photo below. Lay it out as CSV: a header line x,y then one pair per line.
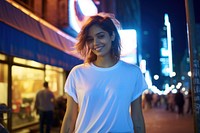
x,y
106,42
109,43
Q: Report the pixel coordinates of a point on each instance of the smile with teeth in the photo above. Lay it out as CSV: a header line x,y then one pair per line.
x,y
98,48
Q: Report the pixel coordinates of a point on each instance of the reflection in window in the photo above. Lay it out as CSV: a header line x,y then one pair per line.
x,y
28,62
2,57
54,76
3,83
25,84
4,92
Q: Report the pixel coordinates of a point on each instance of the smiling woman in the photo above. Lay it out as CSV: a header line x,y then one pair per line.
x,y
100,42
99,98
99,28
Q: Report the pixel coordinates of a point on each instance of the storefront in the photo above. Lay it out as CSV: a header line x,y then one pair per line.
x,y
27,77
26,61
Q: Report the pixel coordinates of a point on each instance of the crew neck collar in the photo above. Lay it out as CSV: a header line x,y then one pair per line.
x,y
105,68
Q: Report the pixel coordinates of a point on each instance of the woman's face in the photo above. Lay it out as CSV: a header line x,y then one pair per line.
x,y
99,41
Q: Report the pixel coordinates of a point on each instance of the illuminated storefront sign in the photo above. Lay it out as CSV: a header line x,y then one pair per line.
x,y
129,45
79,11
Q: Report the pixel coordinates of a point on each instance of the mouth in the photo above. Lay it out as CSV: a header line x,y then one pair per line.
x,y
98,48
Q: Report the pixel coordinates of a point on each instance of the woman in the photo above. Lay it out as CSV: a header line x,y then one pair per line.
x,y
101,91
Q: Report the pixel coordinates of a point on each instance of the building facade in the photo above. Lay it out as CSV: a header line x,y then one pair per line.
x,y
31,51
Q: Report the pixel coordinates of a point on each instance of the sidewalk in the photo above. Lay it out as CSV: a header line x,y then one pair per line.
x,y
162,121
156,120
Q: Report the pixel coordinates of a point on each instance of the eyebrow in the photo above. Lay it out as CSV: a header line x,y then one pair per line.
x,y
100,32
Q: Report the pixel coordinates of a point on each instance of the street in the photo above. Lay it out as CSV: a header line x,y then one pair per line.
x,y
157,120
162,121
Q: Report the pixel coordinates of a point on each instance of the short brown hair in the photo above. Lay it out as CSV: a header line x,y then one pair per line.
x,y
105,22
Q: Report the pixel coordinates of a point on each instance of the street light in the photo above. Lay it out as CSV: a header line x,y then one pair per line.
x,y
156,77
189,73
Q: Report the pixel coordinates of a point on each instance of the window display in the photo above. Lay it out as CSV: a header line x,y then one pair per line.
x,y
25,80
25,83
54,76
4,94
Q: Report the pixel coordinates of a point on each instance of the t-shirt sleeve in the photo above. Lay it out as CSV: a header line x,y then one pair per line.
x,y
140,85
70,86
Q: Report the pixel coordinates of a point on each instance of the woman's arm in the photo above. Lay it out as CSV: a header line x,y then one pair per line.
x,y
70,117
137,116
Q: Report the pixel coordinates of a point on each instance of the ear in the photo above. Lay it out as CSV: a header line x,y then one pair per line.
x,y
113,36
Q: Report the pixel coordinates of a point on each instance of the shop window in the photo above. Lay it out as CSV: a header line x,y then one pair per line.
x,y
26,82
55,77
3,93
3,83
2,57
28,62
58,69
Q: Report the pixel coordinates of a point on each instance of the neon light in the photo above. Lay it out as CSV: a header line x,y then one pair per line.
x,y
129,45
72,17
88,8
169,40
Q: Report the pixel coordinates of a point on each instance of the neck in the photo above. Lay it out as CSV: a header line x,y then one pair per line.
x,y
105,62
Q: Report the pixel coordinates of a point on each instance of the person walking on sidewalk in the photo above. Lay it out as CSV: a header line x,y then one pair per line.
x,y
189,107
180,100
101,91
44,105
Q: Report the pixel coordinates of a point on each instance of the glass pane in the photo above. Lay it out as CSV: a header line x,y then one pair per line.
x,y
2,57
19,60
34,64
3,83
25,84
28,62
4,93
48,67
55,80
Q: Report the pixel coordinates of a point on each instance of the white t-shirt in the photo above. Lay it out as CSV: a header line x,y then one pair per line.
x,y
104,96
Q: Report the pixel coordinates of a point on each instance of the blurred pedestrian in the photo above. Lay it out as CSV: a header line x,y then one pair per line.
x,y
170,102
189,108
155,100
149,98
44,105
100,91
179,100
60,108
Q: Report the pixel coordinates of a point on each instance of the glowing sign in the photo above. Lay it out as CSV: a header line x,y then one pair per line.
x,y
129,45
79,10
166,50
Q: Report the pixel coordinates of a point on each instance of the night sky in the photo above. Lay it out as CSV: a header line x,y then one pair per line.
x,y
152,13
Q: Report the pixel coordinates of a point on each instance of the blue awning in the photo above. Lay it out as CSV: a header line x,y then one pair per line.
x,y
25,37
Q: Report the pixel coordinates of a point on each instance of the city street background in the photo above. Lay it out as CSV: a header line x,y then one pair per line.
x,y
157,120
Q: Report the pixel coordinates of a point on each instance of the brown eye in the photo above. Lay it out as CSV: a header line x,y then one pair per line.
x,y
100,36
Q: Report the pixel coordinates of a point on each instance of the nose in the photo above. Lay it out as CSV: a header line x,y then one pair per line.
x,y
96,41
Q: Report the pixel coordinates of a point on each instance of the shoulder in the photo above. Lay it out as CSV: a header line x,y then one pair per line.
x,y
40,91
51,93
130,67
80,67
76,70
